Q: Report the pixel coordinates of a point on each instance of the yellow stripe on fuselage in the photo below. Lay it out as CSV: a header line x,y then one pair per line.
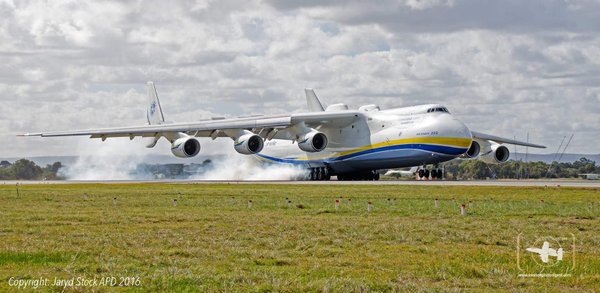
x,y
443,141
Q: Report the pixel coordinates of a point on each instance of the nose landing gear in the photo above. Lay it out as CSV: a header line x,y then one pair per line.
x,y
435,174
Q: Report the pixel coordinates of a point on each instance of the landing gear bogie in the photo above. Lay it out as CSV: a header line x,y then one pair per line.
x,y
318,174
364,176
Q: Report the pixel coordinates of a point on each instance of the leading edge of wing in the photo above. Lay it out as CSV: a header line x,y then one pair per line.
x,y
337,119
235,123
504,140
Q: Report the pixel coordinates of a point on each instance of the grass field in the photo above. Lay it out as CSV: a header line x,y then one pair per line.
x,y
212,240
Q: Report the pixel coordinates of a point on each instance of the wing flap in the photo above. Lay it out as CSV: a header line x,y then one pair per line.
x,y
504,140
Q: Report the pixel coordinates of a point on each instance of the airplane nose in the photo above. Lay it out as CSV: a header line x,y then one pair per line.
x,y
453,127
462,130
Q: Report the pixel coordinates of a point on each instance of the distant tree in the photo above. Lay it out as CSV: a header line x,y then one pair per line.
x,y
6,174
584,165
474,169
50,172
26,170
452,170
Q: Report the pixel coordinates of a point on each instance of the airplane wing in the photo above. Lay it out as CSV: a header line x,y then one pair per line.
x,y
546,246
498,139
261,125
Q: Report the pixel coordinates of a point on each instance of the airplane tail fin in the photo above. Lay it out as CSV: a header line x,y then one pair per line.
x,y
314,105
154,112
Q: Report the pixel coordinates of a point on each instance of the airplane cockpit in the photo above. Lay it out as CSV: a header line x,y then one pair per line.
x,y
438,109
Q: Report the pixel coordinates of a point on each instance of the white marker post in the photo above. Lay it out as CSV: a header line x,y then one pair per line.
x,y
437,203
349,201
289,203
174,202
463,210
249,203
337,204
470,204
542,202
115,200
369,207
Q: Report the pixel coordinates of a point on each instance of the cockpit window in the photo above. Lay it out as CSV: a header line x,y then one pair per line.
x,y
440,109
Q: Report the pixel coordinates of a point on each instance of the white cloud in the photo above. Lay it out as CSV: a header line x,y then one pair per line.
x,y
508,68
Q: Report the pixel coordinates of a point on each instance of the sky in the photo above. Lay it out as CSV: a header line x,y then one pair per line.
x,y
506,68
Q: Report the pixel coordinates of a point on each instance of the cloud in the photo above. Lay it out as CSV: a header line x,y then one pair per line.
x,y
504,67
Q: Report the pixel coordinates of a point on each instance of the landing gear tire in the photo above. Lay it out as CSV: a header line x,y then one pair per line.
x,y
321,173
376,177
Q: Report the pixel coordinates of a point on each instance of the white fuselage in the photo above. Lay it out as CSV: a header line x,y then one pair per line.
x,y
393,138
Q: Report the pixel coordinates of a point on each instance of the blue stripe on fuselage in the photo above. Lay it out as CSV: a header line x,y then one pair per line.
x,y
445,150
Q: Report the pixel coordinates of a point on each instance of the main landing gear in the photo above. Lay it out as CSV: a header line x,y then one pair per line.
x,y
323,173
434,174
364,176
318,174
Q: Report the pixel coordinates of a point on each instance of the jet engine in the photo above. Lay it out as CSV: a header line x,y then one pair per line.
x,y
185,147
496,154
313,141
248,144
473,151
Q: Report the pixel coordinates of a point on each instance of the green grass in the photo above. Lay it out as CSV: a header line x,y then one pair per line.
x,y
212,241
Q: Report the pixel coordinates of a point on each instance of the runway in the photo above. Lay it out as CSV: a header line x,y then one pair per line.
x,y
508,183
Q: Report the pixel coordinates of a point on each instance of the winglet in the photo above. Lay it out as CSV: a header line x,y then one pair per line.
x,y
314,105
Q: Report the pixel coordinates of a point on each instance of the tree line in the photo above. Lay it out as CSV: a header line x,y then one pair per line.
x,y
24,169
476,169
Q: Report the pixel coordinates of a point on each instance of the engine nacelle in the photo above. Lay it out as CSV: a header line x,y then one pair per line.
x,y
248,144
497,154
312,142
185,147
473,151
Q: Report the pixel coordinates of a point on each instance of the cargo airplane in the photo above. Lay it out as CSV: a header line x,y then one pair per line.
x,y
347,143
